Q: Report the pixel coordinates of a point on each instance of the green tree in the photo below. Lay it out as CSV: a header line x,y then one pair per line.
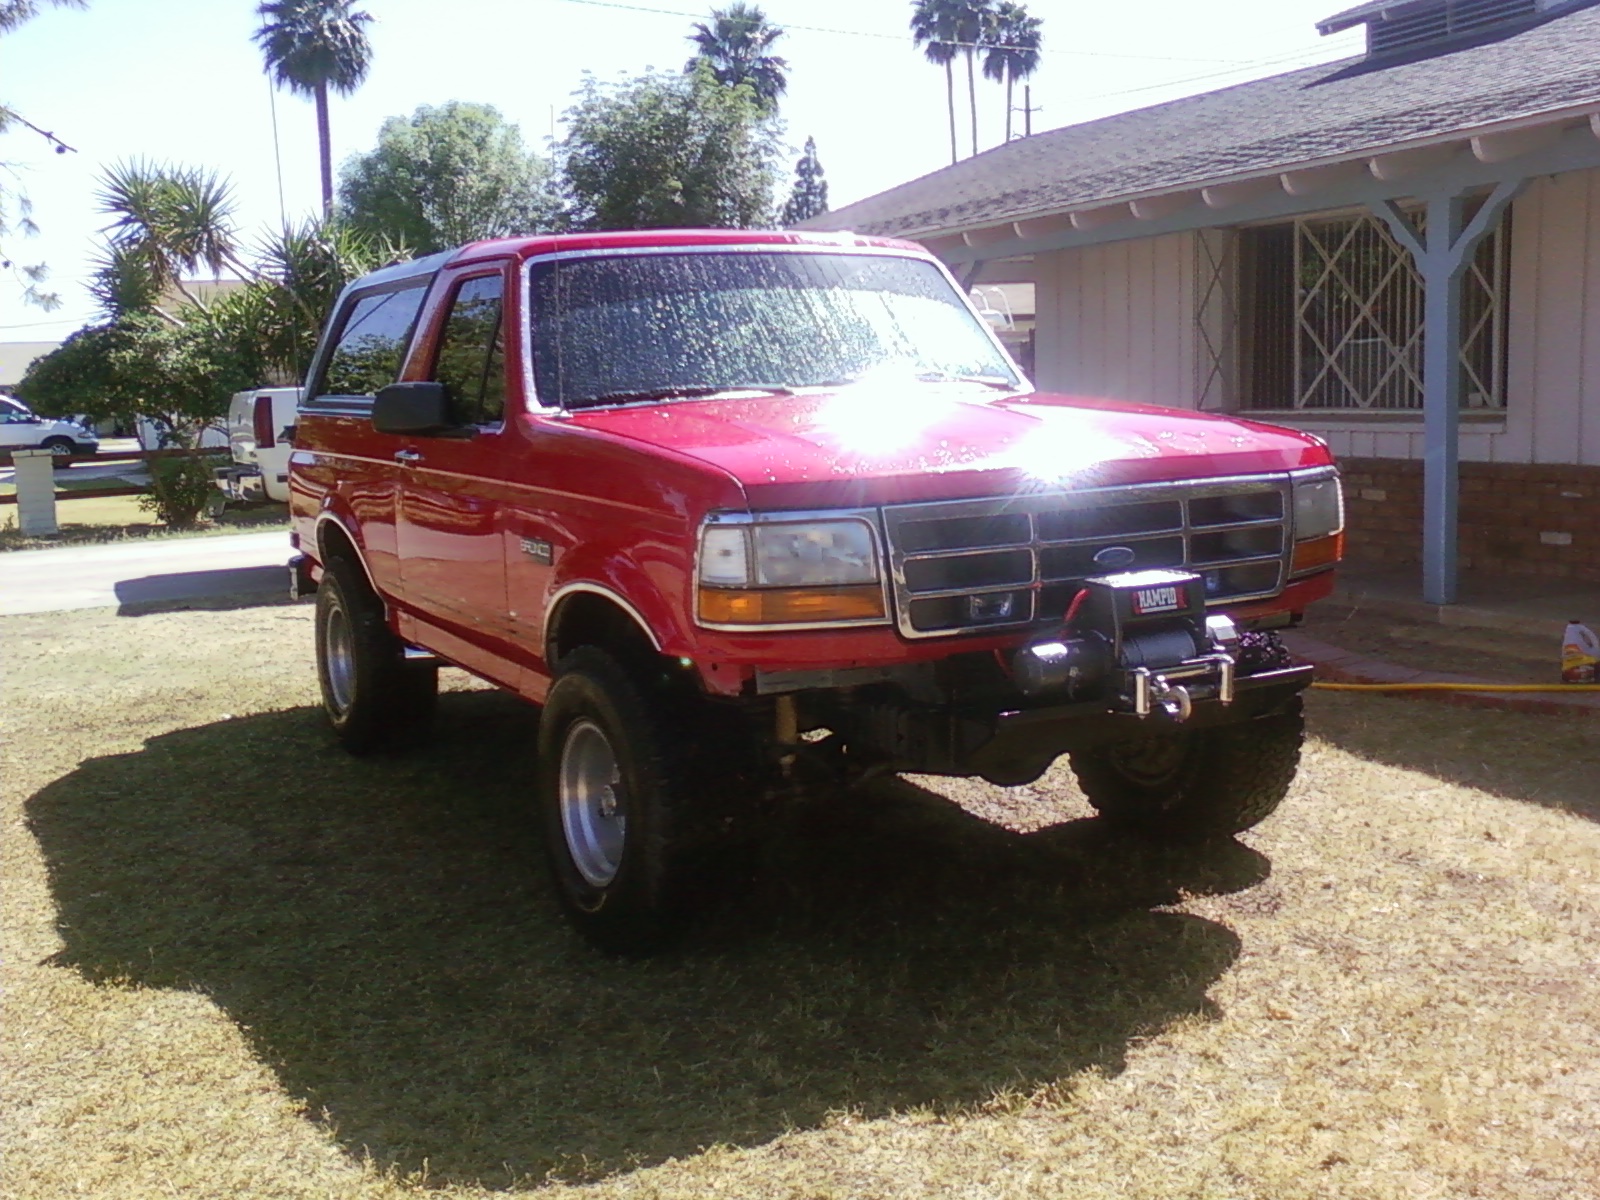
x,y
311,46
166,223
447,175
1013,52
933,28
16,210
164,354
735,46
664,150
300,271
810,193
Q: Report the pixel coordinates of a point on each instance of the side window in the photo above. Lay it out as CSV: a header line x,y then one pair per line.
x,y
472,354
372,343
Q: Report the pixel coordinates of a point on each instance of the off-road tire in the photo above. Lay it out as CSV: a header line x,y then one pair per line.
x,y
374,698
1189,786
657,789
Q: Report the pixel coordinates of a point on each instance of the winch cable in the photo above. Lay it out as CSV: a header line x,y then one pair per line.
x,y
1458,687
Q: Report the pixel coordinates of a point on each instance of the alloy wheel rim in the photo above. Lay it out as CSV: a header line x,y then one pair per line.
x,y
341,658
593,819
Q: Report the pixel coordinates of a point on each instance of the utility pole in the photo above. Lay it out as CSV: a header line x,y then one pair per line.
x,y
1027,110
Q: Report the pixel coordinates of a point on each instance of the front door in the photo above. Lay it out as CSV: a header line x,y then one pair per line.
x,y
451,560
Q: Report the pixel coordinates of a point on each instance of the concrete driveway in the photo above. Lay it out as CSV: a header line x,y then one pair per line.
x,y
151,571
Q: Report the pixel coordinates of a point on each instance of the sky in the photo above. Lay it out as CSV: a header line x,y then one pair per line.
x,y
180,81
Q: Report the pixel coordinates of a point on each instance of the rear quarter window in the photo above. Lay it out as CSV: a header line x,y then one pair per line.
x,y
373,335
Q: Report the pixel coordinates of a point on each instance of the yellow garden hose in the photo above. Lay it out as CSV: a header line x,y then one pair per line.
x,y
1458,687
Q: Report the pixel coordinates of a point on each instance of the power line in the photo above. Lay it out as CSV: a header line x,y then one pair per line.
x,y
1306,58
37,324
901,37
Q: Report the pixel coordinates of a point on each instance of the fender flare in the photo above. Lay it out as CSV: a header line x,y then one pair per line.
x,y
621,579
581,586
347,527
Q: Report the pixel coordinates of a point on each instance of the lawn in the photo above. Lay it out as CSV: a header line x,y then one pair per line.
x,y
90,519
240,963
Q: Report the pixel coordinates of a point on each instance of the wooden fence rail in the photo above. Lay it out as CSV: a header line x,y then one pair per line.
x,y
124,489
108,456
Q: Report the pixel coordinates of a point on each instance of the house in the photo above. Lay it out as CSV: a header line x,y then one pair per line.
x,y
16,358
1399,252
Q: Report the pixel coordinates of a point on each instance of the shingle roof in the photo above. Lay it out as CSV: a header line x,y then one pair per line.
x,y
1268,125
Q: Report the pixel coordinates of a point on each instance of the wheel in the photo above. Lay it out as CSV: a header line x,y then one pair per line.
x,y
615,782
59,446
373,697
1191,785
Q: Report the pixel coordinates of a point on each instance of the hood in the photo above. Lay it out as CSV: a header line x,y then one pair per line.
x,y
875,445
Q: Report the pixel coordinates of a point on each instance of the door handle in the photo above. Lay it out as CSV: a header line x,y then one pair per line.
x,y
407,457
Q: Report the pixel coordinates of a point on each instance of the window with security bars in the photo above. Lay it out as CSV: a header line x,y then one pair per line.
x,y
1336,317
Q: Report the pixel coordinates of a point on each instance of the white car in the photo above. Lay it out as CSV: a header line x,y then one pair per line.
x,y
22,429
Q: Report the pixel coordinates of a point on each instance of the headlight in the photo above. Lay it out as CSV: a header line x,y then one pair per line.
x,y
790,572
1318,524
1318,508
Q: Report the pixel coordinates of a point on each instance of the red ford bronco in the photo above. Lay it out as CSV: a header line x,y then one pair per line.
x,y
748,513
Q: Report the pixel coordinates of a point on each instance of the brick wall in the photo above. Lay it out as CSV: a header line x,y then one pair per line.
x,y
1537,520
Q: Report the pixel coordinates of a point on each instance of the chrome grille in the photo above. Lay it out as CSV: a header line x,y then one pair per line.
x,y
968,565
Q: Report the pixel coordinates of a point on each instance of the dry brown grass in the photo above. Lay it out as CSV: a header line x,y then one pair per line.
x,y
238,963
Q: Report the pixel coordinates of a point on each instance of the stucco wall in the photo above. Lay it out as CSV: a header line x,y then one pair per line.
x,y
1122,320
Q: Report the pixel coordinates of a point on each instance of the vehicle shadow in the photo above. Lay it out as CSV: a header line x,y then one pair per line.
x,y
378,932
1548,760
228,587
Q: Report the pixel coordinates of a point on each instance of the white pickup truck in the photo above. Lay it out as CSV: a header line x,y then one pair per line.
x,y
257,423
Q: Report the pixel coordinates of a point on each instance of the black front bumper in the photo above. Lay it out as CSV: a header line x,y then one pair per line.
x,y
1016,746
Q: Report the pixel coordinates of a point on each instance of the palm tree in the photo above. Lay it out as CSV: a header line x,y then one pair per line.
x,y
1013,52
945,27
974,20
167,222
933,28
309,47
735,46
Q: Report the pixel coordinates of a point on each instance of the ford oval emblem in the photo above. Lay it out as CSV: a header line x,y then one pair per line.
x,y
1114,558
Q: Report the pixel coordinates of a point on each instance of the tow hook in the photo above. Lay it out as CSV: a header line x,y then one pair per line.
x,y
1153,691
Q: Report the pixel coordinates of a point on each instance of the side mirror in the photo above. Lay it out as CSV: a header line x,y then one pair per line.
x,y
418,407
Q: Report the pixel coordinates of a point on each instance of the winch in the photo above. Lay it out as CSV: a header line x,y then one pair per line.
x,y
1141,640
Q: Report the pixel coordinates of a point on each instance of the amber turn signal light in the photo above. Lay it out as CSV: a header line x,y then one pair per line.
x,y
790,606
1317,552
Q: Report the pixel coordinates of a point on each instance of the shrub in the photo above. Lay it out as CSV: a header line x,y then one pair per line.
x,y
180,489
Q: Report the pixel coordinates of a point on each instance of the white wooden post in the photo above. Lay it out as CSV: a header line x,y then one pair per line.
x,y
36,492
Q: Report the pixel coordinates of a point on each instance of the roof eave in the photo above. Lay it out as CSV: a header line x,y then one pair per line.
x,y
1463,136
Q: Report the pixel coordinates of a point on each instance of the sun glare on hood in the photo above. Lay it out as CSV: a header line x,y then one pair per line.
x,y
882,413
1052,457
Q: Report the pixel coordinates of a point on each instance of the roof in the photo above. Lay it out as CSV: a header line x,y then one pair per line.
x,y
1266,126
1361,14
532,245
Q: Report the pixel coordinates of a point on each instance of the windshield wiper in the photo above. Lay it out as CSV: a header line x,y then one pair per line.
x,y
994,381
679,391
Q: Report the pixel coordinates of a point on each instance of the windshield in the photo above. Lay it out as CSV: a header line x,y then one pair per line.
x,y
612,329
